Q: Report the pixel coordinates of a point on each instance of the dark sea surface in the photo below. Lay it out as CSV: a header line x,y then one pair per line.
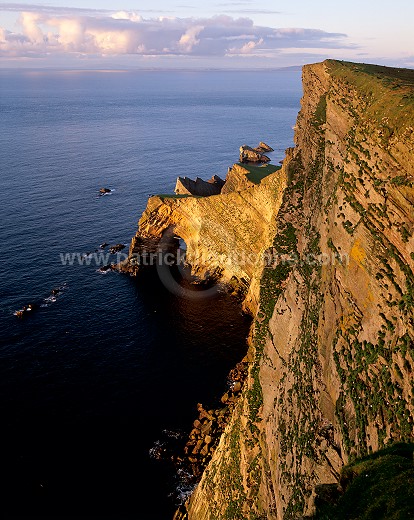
x,y
89,382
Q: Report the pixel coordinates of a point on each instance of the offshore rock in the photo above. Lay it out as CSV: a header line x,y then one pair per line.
x,y
264,148
116,248
251,155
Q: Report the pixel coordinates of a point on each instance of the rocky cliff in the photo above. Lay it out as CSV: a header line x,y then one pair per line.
x,y
332,355
226,235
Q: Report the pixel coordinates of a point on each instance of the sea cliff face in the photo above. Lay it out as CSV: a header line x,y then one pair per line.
x,y
332,351
331,356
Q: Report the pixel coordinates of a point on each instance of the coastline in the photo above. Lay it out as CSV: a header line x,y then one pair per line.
x,y
299,394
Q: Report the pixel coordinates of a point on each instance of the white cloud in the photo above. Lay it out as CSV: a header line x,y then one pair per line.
x,y
45,32
189,39
70,34
124,15
30,26
250,46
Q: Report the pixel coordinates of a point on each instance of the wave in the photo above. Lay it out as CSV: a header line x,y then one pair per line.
x,y
47,301
104,272
184,488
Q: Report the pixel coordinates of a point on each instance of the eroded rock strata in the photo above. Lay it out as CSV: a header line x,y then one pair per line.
x,y
226,235
331,359
200,188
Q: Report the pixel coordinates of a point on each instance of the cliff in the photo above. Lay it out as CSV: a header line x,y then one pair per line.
x,y
331,355
331,360
226,235
242,176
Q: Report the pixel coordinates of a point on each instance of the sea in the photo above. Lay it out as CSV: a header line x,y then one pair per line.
x,y
106,367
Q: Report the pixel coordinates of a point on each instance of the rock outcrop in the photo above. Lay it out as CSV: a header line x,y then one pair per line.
x,y
199,187
226,235
236,179
264,148
251,155
241,176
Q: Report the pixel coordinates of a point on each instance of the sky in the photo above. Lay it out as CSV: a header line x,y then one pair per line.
x,y
229,34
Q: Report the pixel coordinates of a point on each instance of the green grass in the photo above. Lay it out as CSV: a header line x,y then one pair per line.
x,y
258,173
174,196
377,487
399,76
320,114
389,92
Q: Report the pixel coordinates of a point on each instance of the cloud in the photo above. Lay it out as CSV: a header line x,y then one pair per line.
x,y
62,10
31,29
46,31
189,39
254,11
124,15
235,3
247,48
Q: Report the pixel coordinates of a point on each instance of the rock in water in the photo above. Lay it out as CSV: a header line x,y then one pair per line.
x,y
249,155
117,248
21,313
263,148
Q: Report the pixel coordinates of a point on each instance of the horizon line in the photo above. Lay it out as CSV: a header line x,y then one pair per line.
x,y
155,69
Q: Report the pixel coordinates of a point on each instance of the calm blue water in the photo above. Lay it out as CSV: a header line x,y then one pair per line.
x,y
89,382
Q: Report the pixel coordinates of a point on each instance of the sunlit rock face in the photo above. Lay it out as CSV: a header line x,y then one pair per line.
x,y
226,235
331,355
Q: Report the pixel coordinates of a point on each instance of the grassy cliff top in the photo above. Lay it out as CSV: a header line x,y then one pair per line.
x,y
174,196
258,173
389,92
390,76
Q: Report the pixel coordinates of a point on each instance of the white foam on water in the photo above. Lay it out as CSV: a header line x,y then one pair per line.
x,y
173,434
185,487
53,297
99,271
156,452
